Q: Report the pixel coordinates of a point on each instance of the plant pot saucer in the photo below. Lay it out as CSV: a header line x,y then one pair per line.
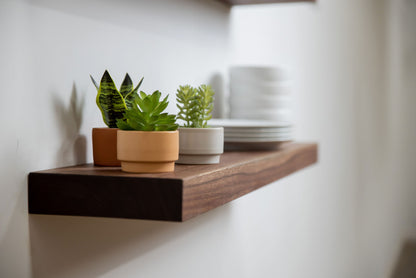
x,y
147,167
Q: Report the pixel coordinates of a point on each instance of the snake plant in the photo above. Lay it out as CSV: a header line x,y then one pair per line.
x,y
146,114
195,105
113,103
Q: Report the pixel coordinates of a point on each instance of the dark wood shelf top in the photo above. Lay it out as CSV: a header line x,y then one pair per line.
x,y
191,190
253,2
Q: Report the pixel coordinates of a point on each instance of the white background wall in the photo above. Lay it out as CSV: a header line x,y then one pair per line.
x,y
353,64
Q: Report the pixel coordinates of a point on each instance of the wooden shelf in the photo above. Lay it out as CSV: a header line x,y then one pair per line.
x,y
253,2
191,190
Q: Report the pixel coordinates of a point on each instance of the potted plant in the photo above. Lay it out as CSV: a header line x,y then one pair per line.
x,y
198,143
112,104
147,139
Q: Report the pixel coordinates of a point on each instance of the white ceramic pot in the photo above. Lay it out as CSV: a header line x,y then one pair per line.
x,y
200,145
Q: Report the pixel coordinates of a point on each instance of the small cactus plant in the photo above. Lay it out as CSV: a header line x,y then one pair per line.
x,y
195,105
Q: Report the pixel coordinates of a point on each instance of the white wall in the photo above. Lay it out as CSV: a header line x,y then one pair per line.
x,y
388,157
47,51
322,48
354,67
402,98
344,217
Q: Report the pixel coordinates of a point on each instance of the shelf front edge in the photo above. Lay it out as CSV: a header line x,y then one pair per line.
x,y
190,191
105,196
211,191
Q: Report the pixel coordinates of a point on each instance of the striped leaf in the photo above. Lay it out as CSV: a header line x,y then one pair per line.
x,y
130,97
110,101
126,86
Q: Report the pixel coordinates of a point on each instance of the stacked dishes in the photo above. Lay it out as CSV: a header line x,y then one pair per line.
x,y
253,134
260,93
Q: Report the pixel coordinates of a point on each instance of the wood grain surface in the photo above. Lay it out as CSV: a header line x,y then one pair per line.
x,y
87,190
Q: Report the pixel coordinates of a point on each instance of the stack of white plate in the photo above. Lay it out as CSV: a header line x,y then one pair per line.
x,y
260,93
254,134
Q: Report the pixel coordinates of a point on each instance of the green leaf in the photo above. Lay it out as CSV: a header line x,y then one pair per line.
x,y
155,99
130,98
146,105
122,124
195,105
95,83
161,106
127,86
146,114
110,101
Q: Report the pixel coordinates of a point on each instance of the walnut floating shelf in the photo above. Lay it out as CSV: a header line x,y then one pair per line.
x,y
191,190
253,2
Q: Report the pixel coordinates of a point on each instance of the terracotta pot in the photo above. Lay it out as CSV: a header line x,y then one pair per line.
x,y
200,145
147,151
104,146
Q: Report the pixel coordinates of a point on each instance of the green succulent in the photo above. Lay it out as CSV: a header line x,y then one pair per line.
x,y
113,103
195,105
146,114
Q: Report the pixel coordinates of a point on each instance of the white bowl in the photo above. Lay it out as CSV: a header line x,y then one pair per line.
x,y
244,89
258,130
269,114
259,103
259,96
257,135
260,73
253,140
260,83
249,124
283,115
